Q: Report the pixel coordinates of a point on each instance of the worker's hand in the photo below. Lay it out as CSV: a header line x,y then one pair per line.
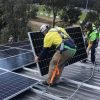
x,y
36,59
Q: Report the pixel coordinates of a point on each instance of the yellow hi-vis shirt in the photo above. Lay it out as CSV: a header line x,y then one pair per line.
x,y
53,37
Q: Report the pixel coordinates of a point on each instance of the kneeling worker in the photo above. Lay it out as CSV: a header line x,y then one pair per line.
x,y
65,49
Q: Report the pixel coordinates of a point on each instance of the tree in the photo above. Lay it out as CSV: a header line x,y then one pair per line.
x,y
47,9
55,6
70,15
2,22
32,13
91,16
15,14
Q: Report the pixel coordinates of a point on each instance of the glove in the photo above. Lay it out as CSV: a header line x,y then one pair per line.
x,y
36,59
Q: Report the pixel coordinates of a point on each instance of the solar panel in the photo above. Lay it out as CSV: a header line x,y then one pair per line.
x,y
28,47
11,52
16,62
12,84
3,47
36,40
77,35
17,44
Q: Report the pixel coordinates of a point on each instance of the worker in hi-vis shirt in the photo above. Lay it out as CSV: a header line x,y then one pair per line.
x,y
91,38
65,50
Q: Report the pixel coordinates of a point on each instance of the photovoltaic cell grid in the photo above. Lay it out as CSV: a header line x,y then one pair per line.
x,y
14,58
36,40
28,47
16,62
11,52
76,34
12,84
3,47
21,45
37,44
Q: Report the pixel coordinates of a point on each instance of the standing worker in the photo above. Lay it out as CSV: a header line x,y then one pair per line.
x,y
91,37
65,49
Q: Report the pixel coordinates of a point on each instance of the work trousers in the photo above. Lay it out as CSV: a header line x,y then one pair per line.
x,y
61,59
93,49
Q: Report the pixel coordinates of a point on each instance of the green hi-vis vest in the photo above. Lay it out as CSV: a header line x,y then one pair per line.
x,y
96,30
92,36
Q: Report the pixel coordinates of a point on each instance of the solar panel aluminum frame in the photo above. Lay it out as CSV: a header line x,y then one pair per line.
x,y
33,50
12,96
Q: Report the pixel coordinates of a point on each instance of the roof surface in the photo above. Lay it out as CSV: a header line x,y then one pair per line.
x,y
70,87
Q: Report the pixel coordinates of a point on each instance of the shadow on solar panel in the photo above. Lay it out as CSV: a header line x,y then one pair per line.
x,y
36,40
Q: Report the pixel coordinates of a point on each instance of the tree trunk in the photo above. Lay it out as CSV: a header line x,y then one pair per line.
x,y
54,18
54,14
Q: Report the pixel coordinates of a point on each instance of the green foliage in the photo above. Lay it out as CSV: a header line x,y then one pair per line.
x,y
48,9
2,22
55,6
16,14
97,6
32,13
70,15
91,16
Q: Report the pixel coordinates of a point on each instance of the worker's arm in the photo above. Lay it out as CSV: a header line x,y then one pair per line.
x,y
47,44
42,55
89,47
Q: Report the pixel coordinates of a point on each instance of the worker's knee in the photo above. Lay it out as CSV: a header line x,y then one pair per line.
x,y
53,62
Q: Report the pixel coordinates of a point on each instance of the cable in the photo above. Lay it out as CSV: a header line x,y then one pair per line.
x,y
82,83
44,91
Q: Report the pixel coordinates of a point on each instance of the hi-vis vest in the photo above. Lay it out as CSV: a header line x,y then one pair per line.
x,y
61,31
55,37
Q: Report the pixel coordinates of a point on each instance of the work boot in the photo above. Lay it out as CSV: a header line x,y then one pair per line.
x,y
51,84
84,61
94,63
45,83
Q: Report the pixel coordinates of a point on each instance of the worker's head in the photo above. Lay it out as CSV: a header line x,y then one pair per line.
x,y
88,26
44,28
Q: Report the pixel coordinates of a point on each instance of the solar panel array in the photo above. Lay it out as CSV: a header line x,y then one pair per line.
x,y
11,52
3,47
12,84
36,40
16,62
15,55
